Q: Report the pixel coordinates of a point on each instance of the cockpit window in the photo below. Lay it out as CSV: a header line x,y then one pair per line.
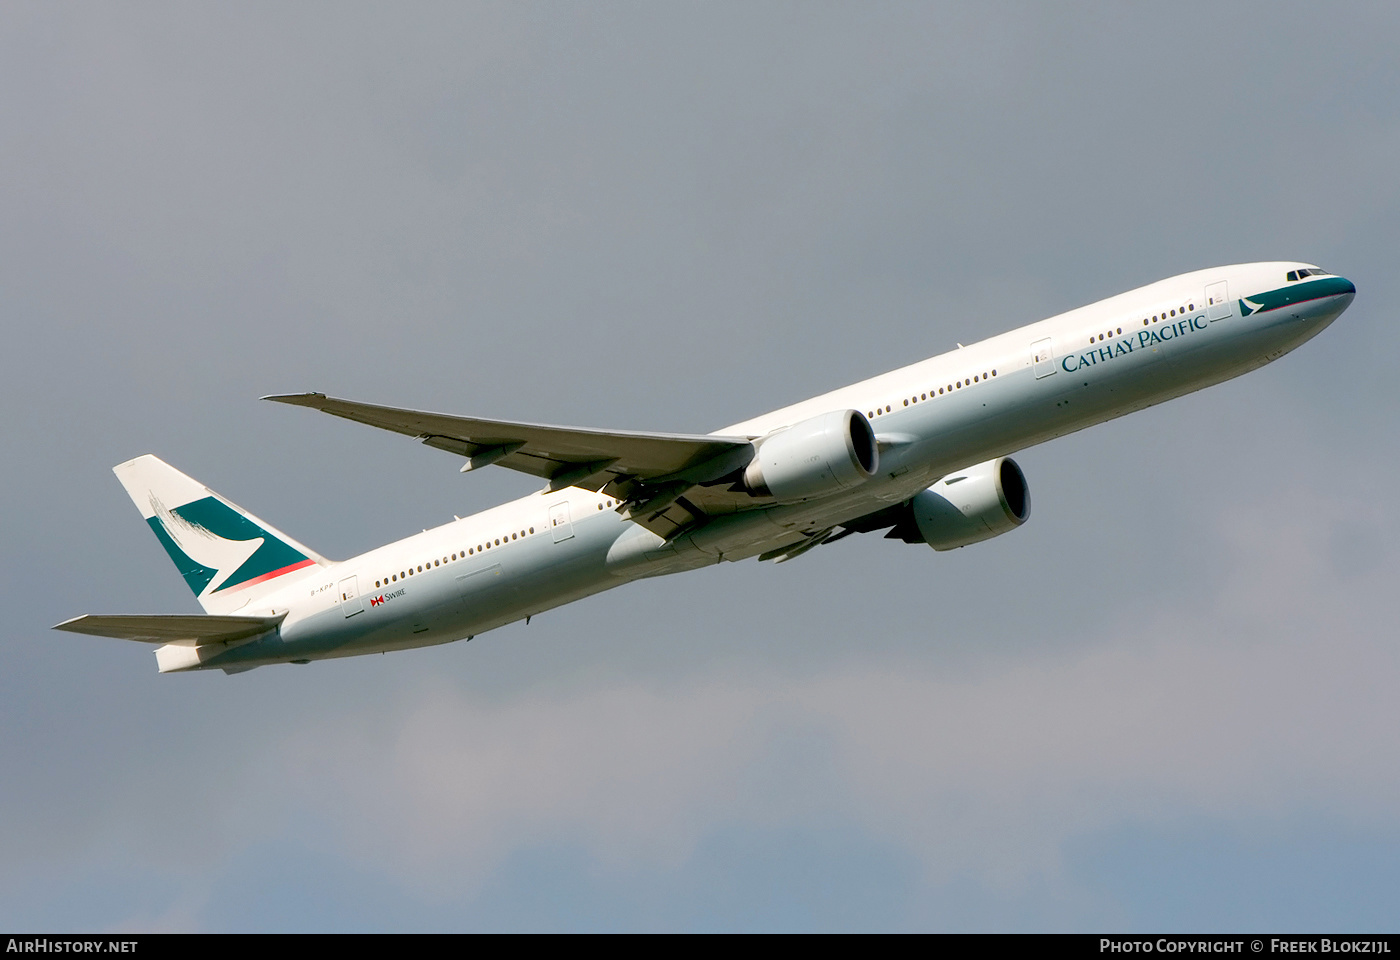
x,y
1304,274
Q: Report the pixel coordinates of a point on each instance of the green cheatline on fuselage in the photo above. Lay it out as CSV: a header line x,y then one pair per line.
x,y
222,521
1296,293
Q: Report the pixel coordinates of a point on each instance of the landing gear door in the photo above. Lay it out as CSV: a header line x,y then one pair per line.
x,y
559,523
1218,301
351,602
1043,357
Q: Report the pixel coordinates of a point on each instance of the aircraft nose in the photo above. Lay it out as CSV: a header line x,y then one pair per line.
x,y
1346,293
1337,294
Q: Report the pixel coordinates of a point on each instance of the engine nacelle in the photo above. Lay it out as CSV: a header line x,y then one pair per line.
x,y
972,505
814,458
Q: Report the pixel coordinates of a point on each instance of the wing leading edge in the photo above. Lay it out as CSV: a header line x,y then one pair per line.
x,y
650,473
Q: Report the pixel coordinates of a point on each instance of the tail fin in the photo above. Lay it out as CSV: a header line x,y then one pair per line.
x,y
228,556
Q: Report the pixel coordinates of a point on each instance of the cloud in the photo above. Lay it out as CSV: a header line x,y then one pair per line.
x,y
1266,700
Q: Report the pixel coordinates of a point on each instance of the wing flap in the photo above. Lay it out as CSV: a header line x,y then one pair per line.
x,y
177,629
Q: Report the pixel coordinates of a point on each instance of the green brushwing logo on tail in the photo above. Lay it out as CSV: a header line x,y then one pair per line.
x,y
210,541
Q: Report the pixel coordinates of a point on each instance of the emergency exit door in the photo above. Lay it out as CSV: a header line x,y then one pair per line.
x,y
559,524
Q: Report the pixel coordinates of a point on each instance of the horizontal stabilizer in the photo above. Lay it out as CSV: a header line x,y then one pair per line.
x,y
178,629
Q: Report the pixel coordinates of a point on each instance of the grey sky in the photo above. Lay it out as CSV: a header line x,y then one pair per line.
x,y
1165,703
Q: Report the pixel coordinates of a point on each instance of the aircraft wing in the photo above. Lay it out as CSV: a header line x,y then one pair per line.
x,y
649,472
178,629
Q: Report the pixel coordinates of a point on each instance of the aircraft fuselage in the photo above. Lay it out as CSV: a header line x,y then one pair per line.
x,y
935,417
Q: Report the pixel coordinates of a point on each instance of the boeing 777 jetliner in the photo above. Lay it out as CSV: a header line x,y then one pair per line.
x,y
921,452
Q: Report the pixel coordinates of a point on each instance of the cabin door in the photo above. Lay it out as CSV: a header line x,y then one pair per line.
x,y
1043,357
1217,301
351,602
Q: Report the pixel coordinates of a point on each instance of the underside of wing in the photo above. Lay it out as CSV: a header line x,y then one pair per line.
x,y
658,477
176,629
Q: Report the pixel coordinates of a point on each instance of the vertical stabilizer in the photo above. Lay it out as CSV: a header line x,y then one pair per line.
x,y
228,556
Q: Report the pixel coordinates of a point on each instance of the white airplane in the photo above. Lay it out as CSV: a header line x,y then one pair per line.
x,y
921,452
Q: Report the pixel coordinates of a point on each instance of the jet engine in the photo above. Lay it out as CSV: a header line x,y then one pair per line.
x,y
814,458
968,506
